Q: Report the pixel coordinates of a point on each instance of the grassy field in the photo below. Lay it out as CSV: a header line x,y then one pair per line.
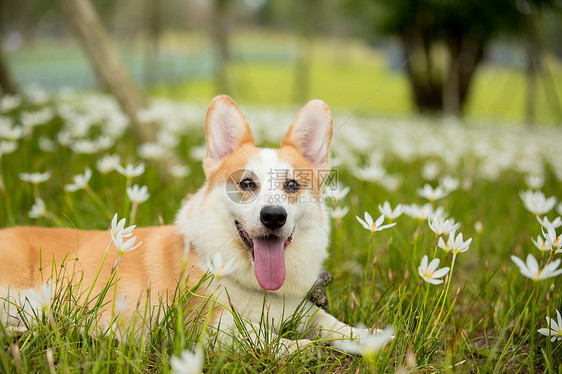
x,y
483,318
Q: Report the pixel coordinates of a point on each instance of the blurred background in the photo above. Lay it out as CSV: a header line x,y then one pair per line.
x,y
492,59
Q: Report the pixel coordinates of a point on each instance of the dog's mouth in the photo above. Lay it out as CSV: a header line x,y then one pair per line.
x,y
268,253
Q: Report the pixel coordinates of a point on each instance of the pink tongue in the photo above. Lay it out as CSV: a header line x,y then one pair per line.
x,y
269,262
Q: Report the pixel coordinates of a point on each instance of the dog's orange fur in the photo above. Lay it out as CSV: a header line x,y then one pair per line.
x,y
32,255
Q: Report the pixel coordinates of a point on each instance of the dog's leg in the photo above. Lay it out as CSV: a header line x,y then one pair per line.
x,y
232,335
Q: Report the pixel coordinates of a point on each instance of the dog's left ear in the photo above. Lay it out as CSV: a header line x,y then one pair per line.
x,y
311,133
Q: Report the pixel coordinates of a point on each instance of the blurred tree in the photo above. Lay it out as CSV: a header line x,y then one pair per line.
x,y
444,41
220,31
154,31
7,84
86,26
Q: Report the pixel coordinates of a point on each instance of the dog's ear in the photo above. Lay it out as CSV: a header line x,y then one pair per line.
x,y
311,133
225,129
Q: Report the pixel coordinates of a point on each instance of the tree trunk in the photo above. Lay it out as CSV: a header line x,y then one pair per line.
x,y
84,22
222,53
441,92
451,86
531,74
426,87
6,83
470,58
154,28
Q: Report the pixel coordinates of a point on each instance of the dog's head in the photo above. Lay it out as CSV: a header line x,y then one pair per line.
x,y
262,208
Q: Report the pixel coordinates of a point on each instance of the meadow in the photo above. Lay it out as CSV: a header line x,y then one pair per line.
x,y
501,183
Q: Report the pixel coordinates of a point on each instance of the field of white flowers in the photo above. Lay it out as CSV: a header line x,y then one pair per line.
x,y
449,232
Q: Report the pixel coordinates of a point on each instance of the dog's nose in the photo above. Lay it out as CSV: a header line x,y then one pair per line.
x,y
273,217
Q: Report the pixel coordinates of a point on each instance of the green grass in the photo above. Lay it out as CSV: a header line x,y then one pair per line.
x,y
484,321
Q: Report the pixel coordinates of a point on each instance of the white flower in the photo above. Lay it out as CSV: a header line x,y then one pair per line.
x,y
39,209
430,273
41,302
179,171
370,343
104,142
386,210
198,153
130,171
449,183
541,244
119,227
124,246
86,147
559,208
167,139
454,244
188,362
218,267
338,212
108,163
531,268
11,133
478,226
430,193
422,213
80,181
41,117
372,226
340,192
536,203
545,222
430,171
551,237
35,178
7,147
391,183
46,145
367,343
138,194
64,138
441,227
534,181
371,173
554,328
153,151
9,103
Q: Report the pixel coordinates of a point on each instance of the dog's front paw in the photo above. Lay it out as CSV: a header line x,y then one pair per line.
x,y
288,347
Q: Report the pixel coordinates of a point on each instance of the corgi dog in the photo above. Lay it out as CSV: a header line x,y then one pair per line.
x,y
258,223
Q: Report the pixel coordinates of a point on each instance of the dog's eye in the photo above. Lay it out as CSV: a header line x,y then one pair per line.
x,y
247,184
292,185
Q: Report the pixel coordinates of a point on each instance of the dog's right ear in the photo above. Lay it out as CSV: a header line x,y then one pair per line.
x,y
225,129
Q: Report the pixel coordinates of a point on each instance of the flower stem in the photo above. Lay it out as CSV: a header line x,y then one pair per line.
x,y
98,201
449,277
115,290
97,274
133,214
367,266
